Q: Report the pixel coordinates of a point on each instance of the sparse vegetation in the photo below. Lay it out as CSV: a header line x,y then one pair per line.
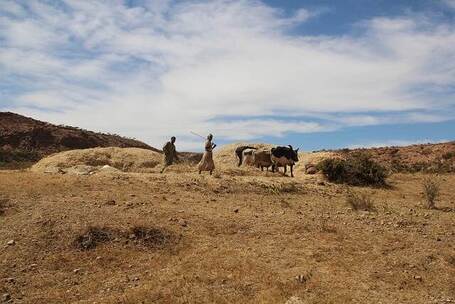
x,y
360,201
151,237
172,238
431,189
448,155
93,237
358,170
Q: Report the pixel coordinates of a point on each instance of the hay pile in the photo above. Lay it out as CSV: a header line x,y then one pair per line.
x,y
112,159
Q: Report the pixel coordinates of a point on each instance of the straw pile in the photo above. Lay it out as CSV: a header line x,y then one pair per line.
x,y
86,161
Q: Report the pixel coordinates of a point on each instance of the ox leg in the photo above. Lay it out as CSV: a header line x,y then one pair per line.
x,y
292,173
285,169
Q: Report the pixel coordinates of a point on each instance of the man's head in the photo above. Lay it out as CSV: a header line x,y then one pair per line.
x,y
210,137
173,139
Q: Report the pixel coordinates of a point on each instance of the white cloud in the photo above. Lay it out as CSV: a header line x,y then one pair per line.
x,y
167,68
449,3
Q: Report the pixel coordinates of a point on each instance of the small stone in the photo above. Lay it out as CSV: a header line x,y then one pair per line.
x,y
98,258
321,183
236,210
33,265
418,278
311,170
183,223
76,271
111,202
11,242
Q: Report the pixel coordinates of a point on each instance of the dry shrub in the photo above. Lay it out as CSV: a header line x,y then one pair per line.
x,y
431,189
360,201
358,170
93,237
152,237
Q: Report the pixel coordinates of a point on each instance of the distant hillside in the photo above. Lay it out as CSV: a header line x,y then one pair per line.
x,y
438,157
23,139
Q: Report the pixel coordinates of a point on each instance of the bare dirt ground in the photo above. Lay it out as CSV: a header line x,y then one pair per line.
x,y
240,236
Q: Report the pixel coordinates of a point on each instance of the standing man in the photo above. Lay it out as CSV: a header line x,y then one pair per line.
x,y
170,154
206,163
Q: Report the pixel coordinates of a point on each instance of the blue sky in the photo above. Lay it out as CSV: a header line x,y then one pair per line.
x,y
315,74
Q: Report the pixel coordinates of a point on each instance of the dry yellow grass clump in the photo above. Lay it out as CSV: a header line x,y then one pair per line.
x,y
90,160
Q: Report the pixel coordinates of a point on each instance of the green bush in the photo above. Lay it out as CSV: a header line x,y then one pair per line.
x,y
17,155
358,170
448,155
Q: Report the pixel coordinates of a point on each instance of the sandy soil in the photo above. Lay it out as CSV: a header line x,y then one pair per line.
x,y
254,237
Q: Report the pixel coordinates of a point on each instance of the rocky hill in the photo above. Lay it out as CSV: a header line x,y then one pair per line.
x,y
437,158
25,140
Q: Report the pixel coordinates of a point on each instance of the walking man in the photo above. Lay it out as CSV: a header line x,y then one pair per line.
x,y
170,154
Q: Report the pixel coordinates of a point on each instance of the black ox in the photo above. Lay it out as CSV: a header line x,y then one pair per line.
x,y
283,157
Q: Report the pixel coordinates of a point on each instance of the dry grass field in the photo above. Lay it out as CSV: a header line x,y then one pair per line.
x,y
239,236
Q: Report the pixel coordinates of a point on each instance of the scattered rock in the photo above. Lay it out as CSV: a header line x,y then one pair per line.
x,y
107,168
111,202
183,223
418,278
321,183
311,170
236,210
11,242
76,271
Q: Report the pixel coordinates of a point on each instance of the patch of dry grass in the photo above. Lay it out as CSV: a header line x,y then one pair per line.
x,y
360,200
183,238
431,189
